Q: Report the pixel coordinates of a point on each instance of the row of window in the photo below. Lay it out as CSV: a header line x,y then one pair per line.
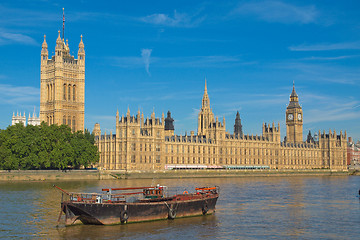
x,y
50,119
70,121
230,161
146,159
69,92
194,149
133,133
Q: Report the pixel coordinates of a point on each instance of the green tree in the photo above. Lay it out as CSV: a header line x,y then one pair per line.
x,y
46,147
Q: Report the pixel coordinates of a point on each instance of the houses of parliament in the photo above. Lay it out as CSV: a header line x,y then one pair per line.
x,y
150,143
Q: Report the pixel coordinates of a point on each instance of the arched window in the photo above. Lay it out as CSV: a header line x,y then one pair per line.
x,y
48,92
64,91
69,93
53,93
64,120
73,124
47,119
51,89
74,90
69,121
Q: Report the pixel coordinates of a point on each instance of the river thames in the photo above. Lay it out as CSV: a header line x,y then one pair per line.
x,y
248,208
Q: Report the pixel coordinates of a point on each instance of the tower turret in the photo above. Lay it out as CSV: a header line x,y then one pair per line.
x,y
169,122
97,130
44,51
59,46
81,52
238,127
294,119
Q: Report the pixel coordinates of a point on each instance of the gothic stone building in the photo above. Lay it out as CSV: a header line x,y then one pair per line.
x,y
62,88
150,144
34,120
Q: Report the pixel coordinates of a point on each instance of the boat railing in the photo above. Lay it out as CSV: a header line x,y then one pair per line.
x,y
114,195
118,195
213,190
99,197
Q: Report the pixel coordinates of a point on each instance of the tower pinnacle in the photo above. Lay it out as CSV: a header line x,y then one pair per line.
x,y
294,99
44,44
205,91
205,100
81,44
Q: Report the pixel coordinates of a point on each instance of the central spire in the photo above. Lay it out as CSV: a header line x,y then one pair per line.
x,y
205,117
205,91
205,100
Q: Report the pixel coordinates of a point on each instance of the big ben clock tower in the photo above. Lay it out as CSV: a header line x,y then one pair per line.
x,y
294,119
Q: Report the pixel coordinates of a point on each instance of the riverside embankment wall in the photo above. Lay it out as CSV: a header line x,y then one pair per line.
x,y
42,175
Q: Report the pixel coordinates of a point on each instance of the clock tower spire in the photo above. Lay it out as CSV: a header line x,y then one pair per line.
x,y
294,119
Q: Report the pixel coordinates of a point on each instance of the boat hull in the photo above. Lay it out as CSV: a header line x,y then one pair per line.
x,y
126,212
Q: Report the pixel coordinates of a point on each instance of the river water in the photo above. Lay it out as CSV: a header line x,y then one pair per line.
x,y
248,208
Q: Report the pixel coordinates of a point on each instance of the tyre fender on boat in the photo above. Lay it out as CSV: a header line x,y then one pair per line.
x,y
205,208
172,211
172,214
124,216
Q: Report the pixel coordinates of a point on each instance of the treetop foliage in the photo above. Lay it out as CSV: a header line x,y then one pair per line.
x,y
46,147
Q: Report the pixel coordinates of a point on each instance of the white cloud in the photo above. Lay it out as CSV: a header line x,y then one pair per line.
x,y
326,46
11,38
126,62
18,95
277,11
26,17
193,115
178,20
321,71
189,62
329,58
201,61
337,112
145,54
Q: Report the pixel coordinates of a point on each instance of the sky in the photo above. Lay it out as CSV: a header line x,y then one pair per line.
x,y
155,56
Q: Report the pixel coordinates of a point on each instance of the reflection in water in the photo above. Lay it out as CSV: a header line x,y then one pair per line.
x,y
248,208
179,229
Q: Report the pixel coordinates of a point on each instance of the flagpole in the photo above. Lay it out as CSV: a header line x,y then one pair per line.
x,y
63,25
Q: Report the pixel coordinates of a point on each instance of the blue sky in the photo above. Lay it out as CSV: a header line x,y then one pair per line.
x,y
155,55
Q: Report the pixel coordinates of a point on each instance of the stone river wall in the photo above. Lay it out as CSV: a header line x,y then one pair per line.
x,y
42,175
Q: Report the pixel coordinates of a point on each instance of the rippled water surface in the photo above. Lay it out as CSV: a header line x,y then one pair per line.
x,y
248,208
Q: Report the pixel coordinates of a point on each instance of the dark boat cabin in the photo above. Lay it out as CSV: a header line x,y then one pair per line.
x,y
154,193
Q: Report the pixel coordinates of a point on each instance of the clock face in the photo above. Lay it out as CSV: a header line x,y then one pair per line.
x,y
299,116
290,117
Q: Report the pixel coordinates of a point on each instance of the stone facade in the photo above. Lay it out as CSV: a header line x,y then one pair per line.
x,y
62,90
150,144
34,120
353,153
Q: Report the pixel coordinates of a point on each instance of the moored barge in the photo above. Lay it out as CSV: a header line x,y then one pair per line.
x,y
128,205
